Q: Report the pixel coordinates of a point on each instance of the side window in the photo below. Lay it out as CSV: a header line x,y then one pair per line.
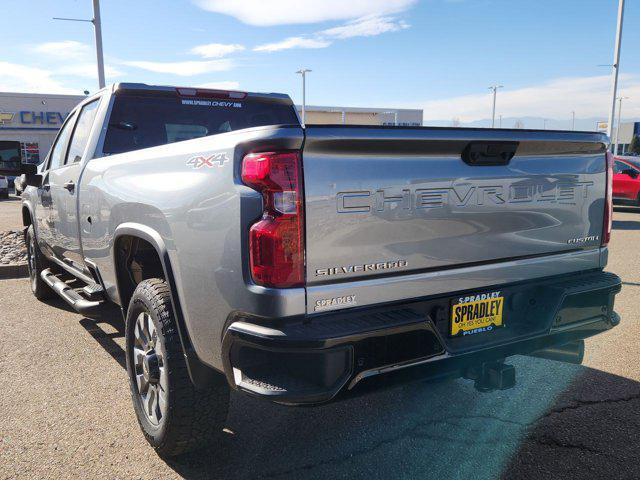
x,y
81,132
619,167
56,159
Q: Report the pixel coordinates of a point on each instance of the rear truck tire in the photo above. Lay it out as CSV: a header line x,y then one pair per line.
x,y
174,416
36,263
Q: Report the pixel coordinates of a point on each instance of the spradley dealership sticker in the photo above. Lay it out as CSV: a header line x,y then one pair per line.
x,y
212,103
215,160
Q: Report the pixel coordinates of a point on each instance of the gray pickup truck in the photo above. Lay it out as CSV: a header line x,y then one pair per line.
x,y
296,263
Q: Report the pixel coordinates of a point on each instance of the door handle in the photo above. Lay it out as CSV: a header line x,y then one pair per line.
x,y
70,186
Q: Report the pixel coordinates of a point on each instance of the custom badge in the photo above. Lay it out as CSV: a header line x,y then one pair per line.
x,y
215,160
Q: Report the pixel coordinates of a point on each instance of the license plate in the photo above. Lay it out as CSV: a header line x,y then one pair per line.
x,y
476,313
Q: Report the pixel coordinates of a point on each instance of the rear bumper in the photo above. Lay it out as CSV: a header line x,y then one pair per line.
x,y
312,359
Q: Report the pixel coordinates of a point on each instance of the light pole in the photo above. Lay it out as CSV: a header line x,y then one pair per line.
x,y
500,123
573,120
615,147
303,72
616,67
97,28
494,88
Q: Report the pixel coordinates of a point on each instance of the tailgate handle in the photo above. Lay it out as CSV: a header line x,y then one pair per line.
x,y
489,153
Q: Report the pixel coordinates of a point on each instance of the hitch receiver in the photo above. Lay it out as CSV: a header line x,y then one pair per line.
x,y
491,376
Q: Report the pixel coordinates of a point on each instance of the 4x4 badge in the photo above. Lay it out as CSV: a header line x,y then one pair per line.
x,y
215,160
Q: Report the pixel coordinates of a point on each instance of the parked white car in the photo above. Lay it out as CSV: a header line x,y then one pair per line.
x,y
4,187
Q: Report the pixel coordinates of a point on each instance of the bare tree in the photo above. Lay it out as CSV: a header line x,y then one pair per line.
x,y
455,122
518,124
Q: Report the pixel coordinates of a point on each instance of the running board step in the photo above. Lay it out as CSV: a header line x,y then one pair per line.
x,y
69,295
93,292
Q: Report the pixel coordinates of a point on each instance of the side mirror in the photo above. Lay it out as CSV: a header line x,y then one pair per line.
x,y
16,169
630,172
31,180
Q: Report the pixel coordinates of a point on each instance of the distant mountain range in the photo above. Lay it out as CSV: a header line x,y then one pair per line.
x,y
585,124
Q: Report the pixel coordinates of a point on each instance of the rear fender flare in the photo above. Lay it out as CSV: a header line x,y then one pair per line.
x,y
26,204
200,373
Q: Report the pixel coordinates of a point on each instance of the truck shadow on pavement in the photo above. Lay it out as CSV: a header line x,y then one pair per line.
x,y
560,421
104,330
626,209
106,339
626,225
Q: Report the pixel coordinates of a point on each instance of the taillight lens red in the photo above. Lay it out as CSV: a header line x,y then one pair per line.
x,y
276,241
208,93
608,204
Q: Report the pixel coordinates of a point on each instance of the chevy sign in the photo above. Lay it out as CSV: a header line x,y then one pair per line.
x,y
32,119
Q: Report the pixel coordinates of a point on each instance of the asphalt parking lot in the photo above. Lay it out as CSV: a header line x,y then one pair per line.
x,y
66,409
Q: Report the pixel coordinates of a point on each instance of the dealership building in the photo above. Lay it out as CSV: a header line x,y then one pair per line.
x,y
34,120
362,116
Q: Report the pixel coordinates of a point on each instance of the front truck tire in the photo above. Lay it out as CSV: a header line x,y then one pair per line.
x,y
36,263
174,416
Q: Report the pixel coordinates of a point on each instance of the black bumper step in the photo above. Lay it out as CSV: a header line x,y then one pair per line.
x,y
310,359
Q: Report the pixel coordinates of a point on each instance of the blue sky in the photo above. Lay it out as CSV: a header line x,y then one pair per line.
x,y
439,55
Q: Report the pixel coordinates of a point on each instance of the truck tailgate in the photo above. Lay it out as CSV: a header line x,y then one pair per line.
x,y
388,200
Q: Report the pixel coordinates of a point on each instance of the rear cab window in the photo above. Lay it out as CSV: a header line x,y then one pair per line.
x,y
142,119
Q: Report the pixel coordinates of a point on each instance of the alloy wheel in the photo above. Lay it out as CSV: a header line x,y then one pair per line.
x,y
149,369
31,261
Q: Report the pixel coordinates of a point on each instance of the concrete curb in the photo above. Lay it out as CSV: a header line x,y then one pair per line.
x,y
14,271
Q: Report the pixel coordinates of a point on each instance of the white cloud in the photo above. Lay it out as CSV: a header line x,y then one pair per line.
x,y
69,58
293,42
67,49
283,12
88,70
365,27
216,50
23,78
225,85
587,96
362,27
183,69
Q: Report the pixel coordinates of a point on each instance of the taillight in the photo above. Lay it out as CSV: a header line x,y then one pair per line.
x,y
608,202
276,241
207,93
